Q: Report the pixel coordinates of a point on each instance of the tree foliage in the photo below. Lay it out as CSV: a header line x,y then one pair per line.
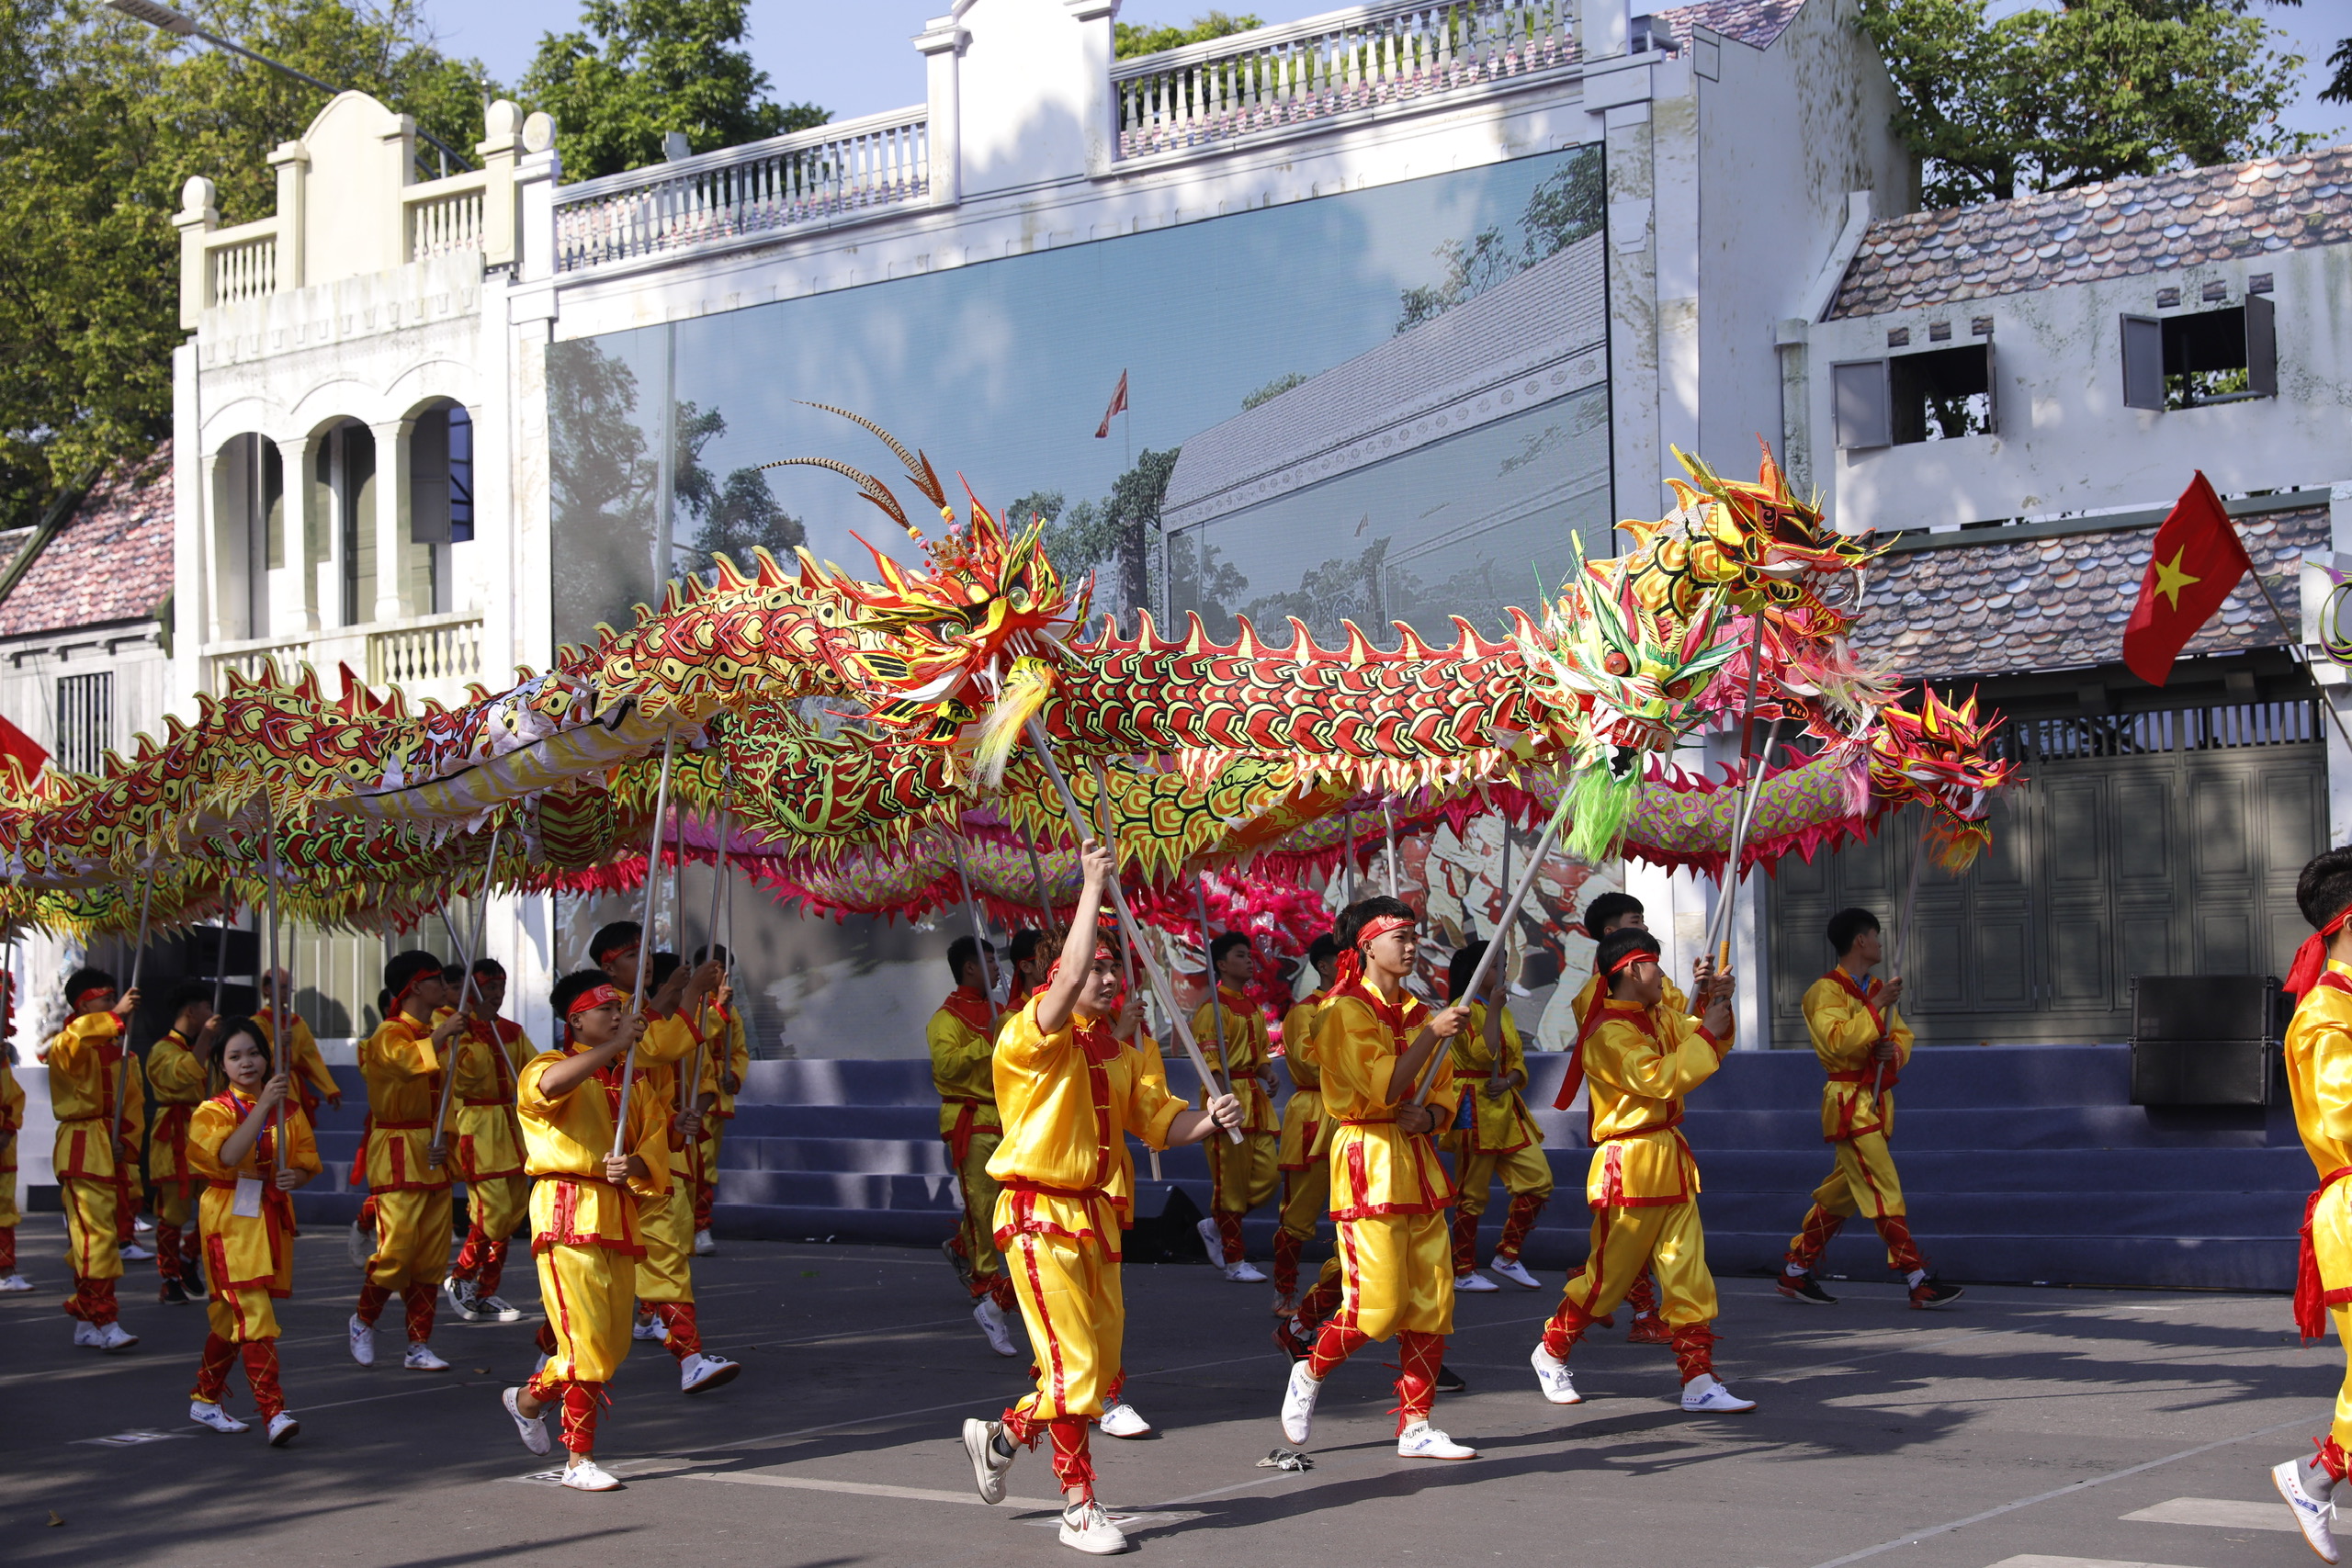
x,y
2095,90
1131,38
733,516
1561,210
639,69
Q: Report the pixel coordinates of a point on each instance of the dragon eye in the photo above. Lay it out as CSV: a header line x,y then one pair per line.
x,y
1680,689
1617,663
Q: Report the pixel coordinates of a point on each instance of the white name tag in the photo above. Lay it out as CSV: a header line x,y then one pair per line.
x,y
247,1202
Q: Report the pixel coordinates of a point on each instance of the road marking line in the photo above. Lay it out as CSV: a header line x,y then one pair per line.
x,y
870,1489
2224,1512
2034,1560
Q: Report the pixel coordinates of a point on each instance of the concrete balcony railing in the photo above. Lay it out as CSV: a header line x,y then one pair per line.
x,y
1277,78
806,179
423,656
442,217
430,651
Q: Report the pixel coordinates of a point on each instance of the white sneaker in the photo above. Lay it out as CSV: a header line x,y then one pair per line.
x,y
987,1465
651,1331
1245,1272
87,1334
1704,1392
204,1413
1285,1307
1212,1241
461,1296
494,1309
1551,1377
2312,1515
532,1429
141,1223
1421,1440
14,1283
358,1244
1474,1281
113,1337
420,1358
1298,1405
1123,1420
363,1341
991,1317
1087,1527
698,1373
704,1246
1511,1268
283,1428
134,1253
589,1476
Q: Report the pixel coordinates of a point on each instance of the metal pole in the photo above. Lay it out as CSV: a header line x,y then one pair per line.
x,y
1126,946
1510,913
1910,897
979,931
1118,895
1744,817
281,1003
1388,821
220,961
1347,860
644,931
1037,879
1208,965
466,992
122,1082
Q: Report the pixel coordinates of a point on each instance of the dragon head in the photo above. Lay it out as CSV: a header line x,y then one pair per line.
x,y
1757,543
1942,755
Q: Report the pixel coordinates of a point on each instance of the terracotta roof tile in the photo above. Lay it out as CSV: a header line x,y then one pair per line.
x,y
110,563
2006,609
1753,22
2124,227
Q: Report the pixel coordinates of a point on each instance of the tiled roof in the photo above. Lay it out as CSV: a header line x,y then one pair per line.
x,y
2059,603
1753,22
110,563
2124,227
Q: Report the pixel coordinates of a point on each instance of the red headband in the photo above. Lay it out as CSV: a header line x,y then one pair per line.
x,y
593,996
604,955
1104,953
82,995
1351,965
2311,959
1627,960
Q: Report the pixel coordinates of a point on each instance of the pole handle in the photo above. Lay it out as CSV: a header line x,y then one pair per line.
x,y
644,934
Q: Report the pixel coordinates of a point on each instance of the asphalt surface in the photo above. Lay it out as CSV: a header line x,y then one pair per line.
x,y
2025,1428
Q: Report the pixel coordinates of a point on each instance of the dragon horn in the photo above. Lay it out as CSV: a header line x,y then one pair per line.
x,y
1768,473
919,467
873,489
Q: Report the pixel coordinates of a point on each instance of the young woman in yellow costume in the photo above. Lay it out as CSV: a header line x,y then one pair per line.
x,y
1070,1084
251,1148
178,1073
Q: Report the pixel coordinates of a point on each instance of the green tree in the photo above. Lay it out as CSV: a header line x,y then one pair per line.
x,y
1558,212
1131,38
734,515
639,69
104,118
2097,89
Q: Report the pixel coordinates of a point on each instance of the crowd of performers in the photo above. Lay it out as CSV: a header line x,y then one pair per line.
x,y
1043,1072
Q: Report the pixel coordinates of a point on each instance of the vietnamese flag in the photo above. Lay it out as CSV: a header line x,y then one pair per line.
x,y
2196,558
15,742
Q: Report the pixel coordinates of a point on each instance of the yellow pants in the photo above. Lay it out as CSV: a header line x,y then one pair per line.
x,y
175,1206
1243,1175
1524,1171
1862,1182
1076,1320
666,1225
9,1213
1396,1273
246,1315
412,1238
1307,1199
587,1293
498,1205
91,1216
978,1232
1666,1239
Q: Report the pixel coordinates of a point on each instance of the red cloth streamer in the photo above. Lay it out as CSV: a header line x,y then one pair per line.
x,y
2311,1296
2311,959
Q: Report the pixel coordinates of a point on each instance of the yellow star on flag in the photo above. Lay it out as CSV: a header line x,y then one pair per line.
x,y
2171,580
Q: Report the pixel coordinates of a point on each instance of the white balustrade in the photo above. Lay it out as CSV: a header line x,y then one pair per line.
x,y
242,265
436,648
443,216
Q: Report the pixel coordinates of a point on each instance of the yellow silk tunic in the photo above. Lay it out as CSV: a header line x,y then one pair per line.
x,y
1248,1051
565,1141
247,1251
1306,1126
1638,1065
1065,1099
1375,1168
1591,997
1847,1021
177,1080
1500,1125
310,1072
738,1062
661,1061
403,1075
487,1143
962,1066
87,1069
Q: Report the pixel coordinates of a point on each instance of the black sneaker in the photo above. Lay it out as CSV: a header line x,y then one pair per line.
x,y
192,1276
1805,1288
174,1293
1933,1292
958,1261
1449,1382
1295,1345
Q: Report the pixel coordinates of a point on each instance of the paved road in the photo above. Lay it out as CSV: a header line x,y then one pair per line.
x,y
2026,1427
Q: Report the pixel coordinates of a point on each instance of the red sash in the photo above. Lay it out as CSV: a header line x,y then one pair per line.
x,y
2311,1296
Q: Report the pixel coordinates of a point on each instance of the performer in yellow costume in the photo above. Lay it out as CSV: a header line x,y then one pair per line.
x,y
585,1201
12,1121
1231,1034
1303,1153
94,1091
962,1037
314,1082
1389,1193
252,1149
734,1063
178,1073
1499,1137
1070,1085
408,1174
677,1022
1637,1063
1864,1046
2319,1081
1606,913
489,1152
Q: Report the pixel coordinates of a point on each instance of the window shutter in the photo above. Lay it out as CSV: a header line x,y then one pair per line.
x,y
428,478
2143,363
1992,391
1865,411
2261,346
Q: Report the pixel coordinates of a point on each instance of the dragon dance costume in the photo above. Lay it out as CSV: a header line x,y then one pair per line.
x,y
489,1149
961,1036
1242,1176
411,1194
178,1082
95,1093
247,1223
1499,1138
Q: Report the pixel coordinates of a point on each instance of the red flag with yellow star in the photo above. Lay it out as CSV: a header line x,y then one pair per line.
x,y
2196,558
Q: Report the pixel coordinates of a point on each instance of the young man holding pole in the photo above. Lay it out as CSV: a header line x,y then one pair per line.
x,y
1232,1032
961,1036
94,1091
732,1058
1499,1139
1864,1044
1070,1084
407,1171
1609,912
489,1147
177,1075
1303,1153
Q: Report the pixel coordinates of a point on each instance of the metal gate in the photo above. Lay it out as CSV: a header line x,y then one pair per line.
x,y
2156,843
